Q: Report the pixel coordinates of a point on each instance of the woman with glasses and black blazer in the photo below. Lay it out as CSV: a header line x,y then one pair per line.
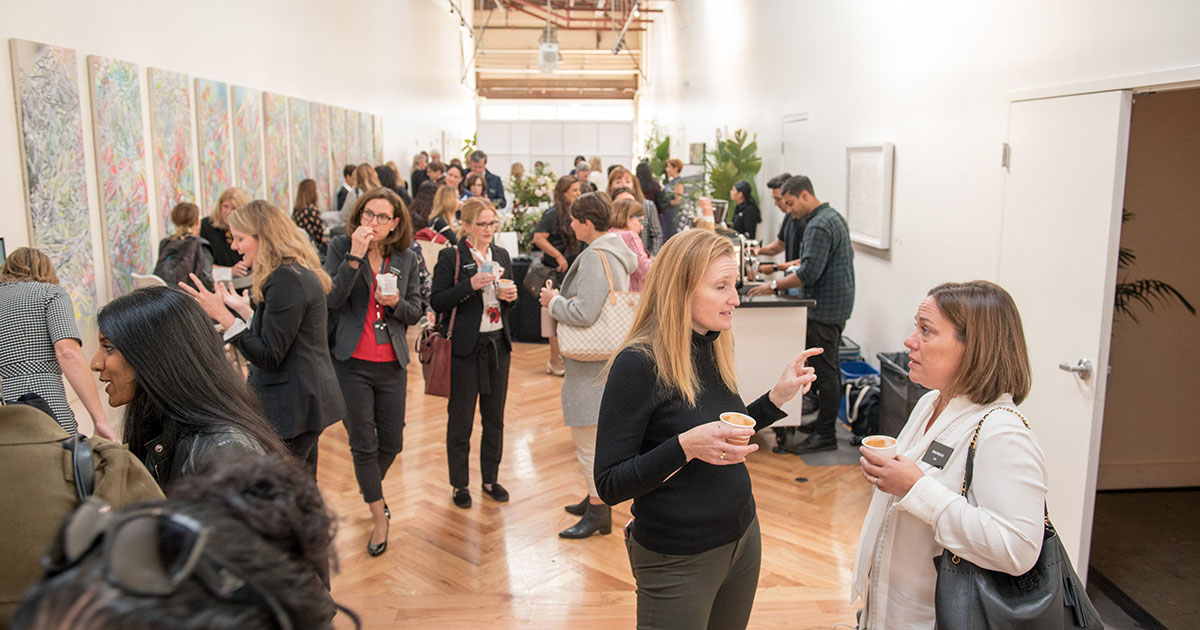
x,y
473,309
367,339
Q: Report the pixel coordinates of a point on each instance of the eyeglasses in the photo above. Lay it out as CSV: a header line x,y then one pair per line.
x,y
484,226
371,217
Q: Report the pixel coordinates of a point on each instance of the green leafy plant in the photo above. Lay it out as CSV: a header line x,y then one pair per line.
x,y
1146,292
734,159
469,147
524,222
657,150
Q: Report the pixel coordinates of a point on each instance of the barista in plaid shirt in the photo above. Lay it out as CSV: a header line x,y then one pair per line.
x,y
826,274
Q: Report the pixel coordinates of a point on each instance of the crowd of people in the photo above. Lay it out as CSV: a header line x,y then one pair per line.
x,y
322,315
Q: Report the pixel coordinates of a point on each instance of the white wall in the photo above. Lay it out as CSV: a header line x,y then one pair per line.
x,y
399,59
933,77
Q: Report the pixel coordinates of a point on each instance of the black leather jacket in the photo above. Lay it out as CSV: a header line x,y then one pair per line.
x,y
195,454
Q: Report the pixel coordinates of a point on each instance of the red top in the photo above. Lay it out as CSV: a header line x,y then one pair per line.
x,y
367,349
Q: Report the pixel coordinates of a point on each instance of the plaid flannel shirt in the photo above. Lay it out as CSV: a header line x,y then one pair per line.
x,y
827,266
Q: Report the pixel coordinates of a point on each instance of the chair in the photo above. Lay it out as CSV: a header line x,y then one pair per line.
x,y
143,280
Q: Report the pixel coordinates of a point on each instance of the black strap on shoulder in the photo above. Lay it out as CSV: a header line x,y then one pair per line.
x,y
83,465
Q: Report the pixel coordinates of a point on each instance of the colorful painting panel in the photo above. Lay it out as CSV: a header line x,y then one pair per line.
x,y
377,137
354,151
275,149
121,169
300,123
51,140
247,140
337,144
171,142
212,137
320,148
366,136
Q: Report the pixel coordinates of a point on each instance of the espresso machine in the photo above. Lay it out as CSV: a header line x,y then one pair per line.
x,y
747,262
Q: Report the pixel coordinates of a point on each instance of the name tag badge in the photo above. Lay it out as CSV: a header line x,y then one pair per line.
x,y
937,455
469,266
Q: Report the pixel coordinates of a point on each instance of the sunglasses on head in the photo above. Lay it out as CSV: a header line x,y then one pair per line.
x,y
151,552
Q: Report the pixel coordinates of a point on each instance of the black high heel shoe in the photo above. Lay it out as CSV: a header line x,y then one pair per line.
x,y
386,511
377,550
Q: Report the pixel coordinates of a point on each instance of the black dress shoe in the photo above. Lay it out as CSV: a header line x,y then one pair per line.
x,y
462,498
577,508
597,518
376,550
497,492
814,444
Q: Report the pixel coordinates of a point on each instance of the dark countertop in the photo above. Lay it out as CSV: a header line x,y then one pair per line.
x,y
774,301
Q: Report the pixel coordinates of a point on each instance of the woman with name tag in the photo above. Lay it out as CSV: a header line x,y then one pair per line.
x,y
969,347
473,296
375,298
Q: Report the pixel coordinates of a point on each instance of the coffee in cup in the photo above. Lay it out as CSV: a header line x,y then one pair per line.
x,y
884,445
505,283
741,421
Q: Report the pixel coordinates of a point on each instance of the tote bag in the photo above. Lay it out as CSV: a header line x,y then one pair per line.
x,y
603,338
433,349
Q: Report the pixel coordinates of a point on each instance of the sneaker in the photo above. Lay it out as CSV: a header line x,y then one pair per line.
x,y
497,492
462,498
814,444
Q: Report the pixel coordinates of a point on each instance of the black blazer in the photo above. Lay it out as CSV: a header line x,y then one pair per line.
x,y
447,295
352,293
288,348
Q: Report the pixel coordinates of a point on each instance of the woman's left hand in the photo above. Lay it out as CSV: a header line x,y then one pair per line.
x,y
238,303
893,476
211,302
796,378
387,300
546,295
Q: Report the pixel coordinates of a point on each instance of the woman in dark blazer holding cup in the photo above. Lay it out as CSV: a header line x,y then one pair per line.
x,y
473,293
375,298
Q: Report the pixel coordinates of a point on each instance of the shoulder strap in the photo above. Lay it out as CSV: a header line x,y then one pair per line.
x,y
970,471
612,293
454,312
82,464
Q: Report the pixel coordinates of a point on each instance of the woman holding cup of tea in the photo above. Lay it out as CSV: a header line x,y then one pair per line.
x,y
968,346
694,546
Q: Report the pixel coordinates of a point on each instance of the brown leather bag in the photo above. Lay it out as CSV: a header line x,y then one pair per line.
x,y
433,349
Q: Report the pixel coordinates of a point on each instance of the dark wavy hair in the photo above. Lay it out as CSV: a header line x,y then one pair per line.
x,y
645,178
401,236
422,202
570,243
266,523
184,383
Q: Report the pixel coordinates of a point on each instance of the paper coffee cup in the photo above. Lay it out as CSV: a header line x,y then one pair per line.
x,y
222,274
884,445
741,421
505,283
387,283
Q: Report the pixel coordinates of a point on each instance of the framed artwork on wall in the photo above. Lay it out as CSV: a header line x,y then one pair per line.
x,y
212,138
275,149
247,140
320,149
171,142
869,194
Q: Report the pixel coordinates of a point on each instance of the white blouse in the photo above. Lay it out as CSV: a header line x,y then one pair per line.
x,y
491,320
998,526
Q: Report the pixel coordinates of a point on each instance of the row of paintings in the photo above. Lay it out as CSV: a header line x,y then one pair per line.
x,y
262,142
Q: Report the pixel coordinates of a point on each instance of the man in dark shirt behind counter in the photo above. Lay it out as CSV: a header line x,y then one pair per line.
x,y
826,274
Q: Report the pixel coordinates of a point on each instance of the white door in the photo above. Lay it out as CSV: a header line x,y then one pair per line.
x,y
1061,229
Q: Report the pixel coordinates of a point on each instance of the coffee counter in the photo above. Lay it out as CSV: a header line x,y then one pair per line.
x,y
768,331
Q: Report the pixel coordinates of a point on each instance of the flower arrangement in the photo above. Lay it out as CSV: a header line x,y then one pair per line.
x,y
523,221
534,189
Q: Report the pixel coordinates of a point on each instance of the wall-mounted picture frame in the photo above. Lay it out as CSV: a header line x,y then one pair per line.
x,y
869,194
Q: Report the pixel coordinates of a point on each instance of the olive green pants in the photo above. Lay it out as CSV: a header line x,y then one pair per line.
x,y
714,589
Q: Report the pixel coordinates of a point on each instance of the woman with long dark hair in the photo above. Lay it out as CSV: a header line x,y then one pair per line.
x,y
187,406
555,238
454,178
389,179
370,351
286,339
422,204
306,215
746,216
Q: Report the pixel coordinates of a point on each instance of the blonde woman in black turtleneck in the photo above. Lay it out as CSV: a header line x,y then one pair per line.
x,y
694,543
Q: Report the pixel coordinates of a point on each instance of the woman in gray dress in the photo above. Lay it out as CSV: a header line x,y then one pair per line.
x,y
584,291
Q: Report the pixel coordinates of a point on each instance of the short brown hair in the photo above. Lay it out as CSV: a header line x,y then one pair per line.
x,y
26,264
623,210
595,208
401,236
183,216
986,320
676,164
436,167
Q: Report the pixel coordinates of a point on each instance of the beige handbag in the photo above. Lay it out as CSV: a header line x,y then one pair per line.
x,y
603,338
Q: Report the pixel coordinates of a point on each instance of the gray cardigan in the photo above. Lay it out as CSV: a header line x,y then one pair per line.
x,y
584,292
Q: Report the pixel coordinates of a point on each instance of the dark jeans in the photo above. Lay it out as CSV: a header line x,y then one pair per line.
x,y
482,375
829,374
375,397
304,447
713,589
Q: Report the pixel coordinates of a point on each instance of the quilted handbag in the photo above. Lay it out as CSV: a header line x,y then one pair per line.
x,y
603,338
433,349
1049,596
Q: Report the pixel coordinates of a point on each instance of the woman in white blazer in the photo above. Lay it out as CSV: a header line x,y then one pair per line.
x,y
969,347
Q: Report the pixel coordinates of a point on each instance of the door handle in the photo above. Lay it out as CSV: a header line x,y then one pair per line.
x,y
1083,369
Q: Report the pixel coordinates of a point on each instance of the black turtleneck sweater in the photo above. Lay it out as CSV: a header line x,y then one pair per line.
x,y
637,447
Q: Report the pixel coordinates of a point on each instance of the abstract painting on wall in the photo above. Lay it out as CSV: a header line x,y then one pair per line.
x,y
275,149
354,146
377,137
212,138
301,139
247,140
171,142
50,132
337,143
320,149
120,169
366,135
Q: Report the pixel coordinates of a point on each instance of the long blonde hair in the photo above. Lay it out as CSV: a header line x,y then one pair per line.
x,y
279,242
662,325
367,178
239,198
445,202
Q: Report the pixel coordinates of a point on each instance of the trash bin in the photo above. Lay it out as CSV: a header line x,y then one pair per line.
x,y
852,371
899,395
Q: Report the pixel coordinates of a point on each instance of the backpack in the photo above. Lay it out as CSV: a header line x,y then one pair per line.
x,y
860,407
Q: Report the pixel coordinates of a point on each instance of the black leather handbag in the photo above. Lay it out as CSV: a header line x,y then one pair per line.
x,y
1049,596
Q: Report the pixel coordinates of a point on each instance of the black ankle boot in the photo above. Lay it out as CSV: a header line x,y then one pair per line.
x,y
577,508
597,518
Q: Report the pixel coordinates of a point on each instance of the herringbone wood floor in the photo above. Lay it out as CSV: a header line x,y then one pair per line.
x,y
503,566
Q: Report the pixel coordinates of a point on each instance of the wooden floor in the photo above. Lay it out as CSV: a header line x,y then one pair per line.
x,y
500,566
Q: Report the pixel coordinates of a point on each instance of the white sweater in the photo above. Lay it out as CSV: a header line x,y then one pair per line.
x,y
998,526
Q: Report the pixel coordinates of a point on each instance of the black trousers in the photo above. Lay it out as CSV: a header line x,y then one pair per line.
x,y
829,374
481,375
304,448
375,394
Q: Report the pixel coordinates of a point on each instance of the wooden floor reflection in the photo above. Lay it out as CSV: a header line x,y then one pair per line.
x,y
503,566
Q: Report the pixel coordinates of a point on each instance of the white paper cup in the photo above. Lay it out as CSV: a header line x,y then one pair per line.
x,y
741,421
222,274
505,283
883,445
387,283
